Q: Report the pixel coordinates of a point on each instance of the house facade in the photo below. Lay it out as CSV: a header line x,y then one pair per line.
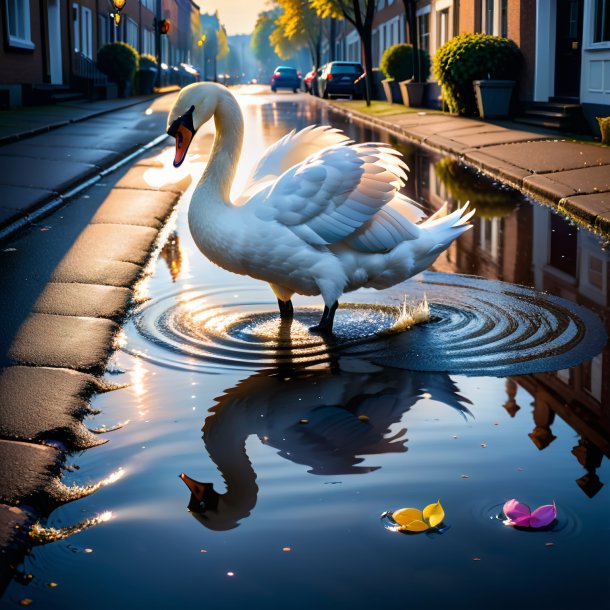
x,y
565,43
53,44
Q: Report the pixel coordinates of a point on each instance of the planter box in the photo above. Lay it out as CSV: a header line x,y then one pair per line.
x,y
392,91
412,93
493,97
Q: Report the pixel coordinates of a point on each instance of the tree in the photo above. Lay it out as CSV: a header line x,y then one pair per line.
x,y
360,14
216,45
300,26
261,46
222,42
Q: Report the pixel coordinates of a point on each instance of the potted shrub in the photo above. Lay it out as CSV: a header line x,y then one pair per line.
x,y
118,61
476,57
146,75
397,65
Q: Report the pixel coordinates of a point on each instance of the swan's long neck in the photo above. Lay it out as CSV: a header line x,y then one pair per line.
x,y
218,176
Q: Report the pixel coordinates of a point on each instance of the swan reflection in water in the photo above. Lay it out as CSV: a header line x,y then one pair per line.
x,y
324,418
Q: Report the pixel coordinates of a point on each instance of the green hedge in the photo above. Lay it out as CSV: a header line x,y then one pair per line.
x,y
397,63
469,57
118,61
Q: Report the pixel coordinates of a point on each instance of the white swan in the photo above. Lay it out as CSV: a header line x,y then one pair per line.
x,y
319,215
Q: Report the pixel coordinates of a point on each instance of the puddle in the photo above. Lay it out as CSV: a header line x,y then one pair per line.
x,y
303,443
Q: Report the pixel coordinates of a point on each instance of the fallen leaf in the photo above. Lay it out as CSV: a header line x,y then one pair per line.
x,y
363,417
52,585
484,445
286,549
465,476
415,520
26,601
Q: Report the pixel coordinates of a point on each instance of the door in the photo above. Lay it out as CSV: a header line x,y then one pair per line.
x,y
568,48
54,24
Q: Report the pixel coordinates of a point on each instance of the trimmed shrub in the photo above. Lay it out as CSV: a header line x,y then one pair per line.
x,y
468,57
118,61
397,63
148,62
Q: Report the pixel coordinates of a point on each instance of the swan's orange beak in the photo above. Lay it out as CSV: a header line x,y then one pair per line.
x,y
183,130
184,137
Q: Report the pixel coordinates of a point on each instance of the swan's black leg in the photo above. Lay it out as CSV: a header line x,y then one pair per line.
x,y
286,310
326,323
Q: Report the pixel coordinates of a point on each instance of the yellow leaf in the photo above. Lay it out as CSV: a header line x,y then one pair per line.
x,y
415,526
434,514
404,516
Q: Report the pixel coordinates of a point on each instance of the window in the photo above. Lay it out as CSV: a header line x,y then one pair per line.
x,y
149,4
601,26
488,16
18,17
131,33
148,42
76,27
504,19
86,39
423,31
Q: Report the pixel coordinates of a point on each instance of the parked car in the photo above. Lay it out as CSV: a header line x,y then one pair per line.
x,y
308,80
286,78
340,78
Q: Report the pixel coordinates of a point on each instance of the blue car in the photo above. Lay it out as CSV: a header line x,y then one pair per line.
x,y
286,78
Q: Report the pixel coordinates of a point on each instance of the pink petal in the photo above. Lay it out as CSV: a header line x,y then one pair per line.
x,y
523,521
515,510
544,515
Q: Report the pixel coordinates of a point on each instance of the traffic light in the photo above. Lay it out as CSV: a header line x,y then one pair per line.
x,y
164,26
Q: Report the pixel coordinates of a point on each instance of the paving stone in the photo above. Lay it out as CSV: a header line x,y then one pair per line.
x,y
29,149
147,178
27,472
88,300
434,127
99,271
64,341
444,144
40,403
111,242
511,173
551,156
585,181
497,137
586,207
546,187
45,174
22,198
136,207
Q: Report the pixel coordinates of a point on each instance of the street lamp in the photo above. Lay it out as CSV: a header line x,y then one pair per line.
x,y
118,7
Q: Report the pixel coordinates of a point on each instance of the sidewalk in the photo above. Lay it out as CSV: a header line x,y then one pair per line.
x,y
572,176
49,153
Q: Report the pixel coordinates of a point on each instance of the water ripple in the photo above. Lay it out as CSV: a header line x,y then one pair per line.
x,y
478,326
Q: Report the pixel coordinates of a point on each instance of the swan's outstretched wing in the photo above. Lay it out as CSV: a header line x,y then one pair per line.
x,y
335,192
290,150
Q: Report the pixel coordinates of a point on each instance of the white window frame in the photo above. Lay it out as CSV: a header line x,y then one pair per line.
x,y
76,27
22,38
86,32
589,28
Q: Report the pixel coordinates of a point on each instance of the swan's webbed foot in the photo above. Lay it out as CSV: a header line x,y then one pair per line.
x,y
286,309
325,326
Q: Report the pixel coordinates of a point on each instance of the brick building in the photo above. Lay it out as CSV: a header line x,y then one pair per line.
x,y
50,46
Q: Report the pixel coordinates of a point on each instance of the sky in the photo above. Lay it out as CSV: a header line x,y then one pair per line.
x,y
238,16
